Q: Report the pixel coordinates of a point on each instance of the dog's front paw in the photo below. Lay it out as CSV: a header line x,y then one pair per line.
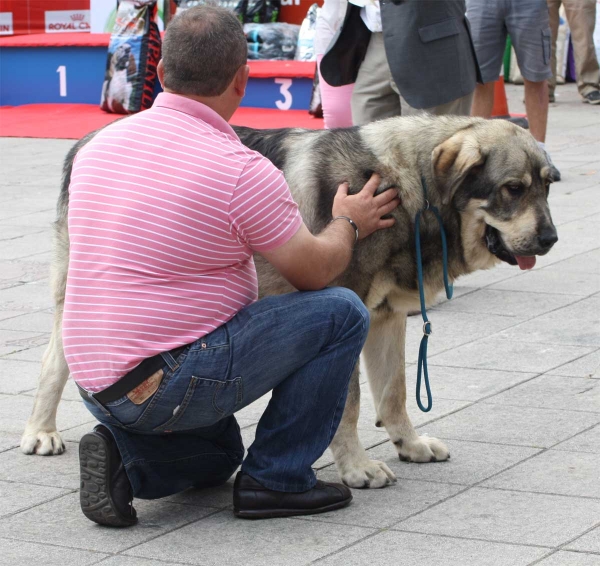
x,y
422,449
42,443
368,474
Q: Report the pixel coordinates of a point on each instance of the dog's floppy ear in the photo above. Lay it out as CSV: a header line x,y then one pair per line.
x,y
453,159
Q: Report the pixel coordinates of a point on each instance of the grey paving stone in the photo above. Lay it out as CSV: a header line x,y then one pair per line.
x,y
15,497
73,435
507,303
39,321
411,549
41,218
380,508
134,561
508,516
510,355
256,409
55,471
220,497
11,233
480,279
19,553
588,441
590,542
505,424
470,462
555,392
471,384
560,473
563,558
25,245
14,341
60,522
8,314
15,410
226,540
25,270
585,366
18,376
552,279
588,262
577,324
9,440
441,406
451,329
31,354
27,297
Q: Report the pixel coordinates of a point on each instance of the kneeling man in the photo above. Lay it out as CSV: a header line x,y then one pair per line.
x,y
163,332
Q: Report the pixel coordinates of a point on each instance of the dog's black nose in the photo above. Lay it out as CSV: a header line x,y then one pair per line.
x,y
548,237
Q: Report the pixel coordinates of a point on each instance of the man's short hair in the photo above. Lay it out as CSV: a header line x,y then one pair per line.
x,y
202,50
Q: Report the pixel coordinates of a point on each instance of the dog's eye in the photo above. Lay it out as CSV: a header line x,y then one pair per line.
x,y
514,189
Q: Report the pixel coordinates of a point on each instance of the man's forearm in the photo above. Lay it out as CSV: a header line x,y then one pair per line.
x,y
336,243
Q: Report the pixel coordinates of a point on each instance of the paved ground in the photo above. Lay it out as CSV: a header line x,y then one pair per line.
x,y
516,380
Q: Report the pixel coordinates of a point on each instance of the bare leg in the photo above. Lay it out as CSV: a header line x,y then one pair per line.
x,y
483,100
384,358
536,105
353,464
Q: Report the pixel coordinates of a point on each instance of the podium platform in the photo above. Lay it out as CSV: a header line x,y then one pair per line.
x,y
69,68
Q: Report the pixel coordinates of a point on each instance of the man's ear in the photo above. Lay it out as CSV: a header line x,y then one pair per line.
x,y
160,73
453,159
241,80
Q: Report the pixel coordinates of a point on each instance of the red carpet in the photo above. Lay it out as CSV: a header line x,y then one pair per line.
x,y
72,121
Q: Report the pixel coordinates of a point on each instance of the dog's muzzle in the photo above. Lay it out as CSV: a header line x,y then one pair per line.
x,y
496,246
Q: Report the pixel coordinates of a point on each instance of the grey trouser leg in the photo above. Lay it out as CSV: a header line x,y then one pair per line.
x,y
459,107
376,95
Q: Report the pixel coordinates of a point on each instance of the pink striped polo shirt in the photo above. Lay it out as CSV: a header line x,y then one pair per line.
x,y
165,210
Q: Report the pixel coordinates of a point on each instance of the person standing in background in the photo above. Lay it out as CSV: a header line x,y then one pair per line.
x,y
334,100
405,56
581,15
527,22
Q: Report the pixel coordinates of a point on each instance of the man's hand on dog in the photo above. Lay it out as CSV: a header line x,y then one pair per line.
x,y
364,208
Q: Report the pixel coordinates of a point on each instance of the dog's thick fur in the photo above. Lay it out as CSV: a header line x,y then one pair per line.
x,y
489,180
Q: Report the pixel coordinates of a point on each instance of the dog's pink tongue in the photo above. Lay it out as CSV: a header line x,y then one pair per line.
x,y
525,262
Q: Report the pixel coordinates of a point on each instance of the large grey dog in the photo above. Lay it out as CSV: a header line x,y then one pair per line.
x,y
490,182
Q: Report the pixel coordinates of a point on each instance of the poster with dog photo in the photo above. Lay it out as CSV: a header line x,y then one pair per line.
x,y
133,54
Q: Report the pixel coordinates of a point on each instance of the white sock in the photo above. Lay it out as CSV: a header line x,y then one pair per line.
x,y
542,145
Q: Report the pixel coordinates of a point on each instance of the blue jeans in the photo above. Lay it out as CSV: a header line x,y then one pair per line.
x,y
303,346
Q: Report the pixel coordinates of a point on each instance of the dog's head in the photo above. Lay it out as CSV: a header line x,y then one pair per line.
x,y
497,176
120,58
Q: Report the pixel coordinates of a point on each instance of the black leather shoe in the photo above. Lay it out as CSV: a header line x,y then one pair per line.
x,y
106,496
253,501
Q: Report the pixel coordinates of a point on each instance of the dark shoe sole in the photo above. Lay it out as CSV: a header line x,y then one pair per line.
x,y
96,502
279,513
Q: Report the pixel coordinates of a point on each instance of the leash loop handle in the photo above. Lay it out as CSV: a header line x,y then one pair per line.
x,y
422,370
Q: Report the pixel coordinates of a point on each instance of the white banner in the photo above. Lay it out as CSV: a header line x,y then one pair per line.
x,y
61,21
6,23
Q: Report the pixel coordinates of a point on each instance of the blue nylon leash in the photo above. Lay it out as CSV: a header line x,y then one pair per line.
x,y
427,329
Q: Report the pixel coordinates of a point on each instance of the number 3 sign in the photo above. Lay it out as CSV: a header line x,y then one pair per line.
x,y
286,103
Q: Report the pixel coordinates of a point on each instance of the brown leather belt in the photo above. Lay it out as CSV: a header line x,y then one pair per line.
x,y
131,380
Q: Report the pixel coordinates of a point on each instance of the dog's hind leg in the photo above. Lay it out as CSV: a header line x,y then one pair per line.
x,y
354,467
384,360
40,434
